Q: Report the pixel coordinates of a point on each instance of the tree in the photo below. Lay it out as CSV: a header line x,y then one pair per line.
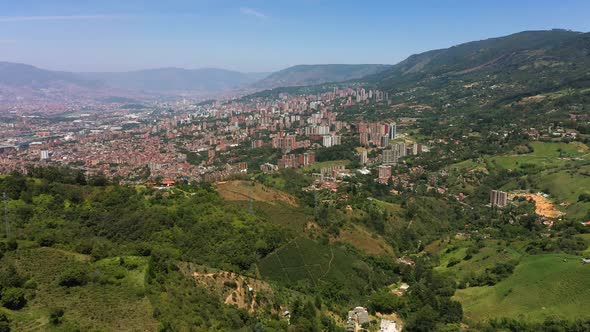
x,y
73,277
13,298
424,320
384,302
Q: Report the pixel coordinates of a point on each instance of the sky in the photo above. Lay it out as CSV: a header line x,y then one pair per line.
x,y
259,35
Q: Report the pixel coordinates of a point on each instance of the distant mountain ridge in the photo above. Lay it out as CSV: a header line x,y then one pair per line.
x,y
20,75
503,68
302,75
172,80
27,78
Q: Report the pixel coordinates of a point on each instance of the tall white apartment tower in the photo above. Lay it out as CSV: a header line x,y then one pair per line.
x,y
392,130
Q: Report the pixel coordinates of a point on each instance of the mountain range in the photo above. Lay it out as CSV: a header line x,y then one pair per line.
x,y
18,80
509,67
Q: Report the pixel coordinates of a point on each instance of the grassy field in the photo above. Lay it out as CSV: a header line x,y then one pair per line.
x,y
114,301
493,252
281,214
307,262
545,155
316,167
542,286
566,185
247,190
274,205
363,240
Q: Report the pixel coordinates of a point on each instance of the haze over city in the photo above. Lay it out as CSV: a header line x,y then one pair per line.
x,y
258,36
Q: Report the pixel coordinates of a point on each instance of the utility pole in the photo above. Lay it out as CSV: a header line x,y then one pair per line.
x,y
315,208
250,207
6,225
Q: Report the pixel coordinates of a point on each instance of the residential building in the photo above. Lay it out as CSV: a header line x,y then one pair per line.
x,y
498,198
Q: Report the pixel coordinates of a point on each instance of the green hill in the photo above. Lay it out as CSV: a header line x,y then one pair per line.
x,y
542,286
493,71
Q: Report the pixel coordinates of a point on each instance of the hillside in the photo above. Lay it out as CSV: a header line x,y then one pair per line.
x,y
302,75
490,72
561,279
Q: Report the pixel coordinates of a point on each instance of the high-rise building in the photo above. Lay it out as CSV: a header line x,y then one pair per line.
x,y
392,130
400,149
389,157
385,141
364,138
384,172
327,141
44,154
363,157
498,198
336,140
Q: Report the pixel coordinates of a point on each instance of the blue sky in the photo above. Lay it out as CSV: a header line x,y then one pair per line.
x,y
259,35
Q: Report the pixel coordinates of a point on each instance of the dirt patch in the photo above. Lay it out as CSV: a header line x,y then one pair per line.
x,y
245,190
543,206
532,99
243,292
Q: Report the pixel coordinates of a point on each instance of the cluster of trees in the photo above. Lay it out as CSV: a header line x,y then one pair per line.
x,y
13,288
427,304
549,325
490,276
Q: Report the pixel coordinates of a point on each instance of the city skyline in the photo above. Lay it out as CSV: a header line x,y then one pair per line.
x,y
258,36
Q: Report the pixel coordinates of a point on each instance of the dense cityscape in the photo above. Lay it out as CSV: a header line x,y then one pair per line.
x,y
294,166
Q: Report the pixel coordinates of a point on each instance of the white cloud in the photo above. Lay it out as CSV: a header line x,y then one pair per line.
x,y
253,12
56,18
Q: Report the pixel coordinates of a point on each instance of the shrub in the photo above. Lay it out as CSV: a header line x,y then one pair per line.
x,y
73,277
453,262
56,315
13,298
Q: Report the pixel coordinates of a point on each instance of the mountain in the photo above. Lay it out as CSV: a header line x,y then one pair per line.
x,y
302,75
177,80
497,69
26,83
21,75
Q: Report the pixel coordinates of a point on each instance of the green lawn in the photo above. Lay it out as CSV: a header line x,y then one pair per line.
x,y
542,286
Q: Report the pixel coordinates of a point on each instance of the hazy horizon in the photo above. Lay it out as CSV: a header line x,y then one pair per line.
x,y
258,36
